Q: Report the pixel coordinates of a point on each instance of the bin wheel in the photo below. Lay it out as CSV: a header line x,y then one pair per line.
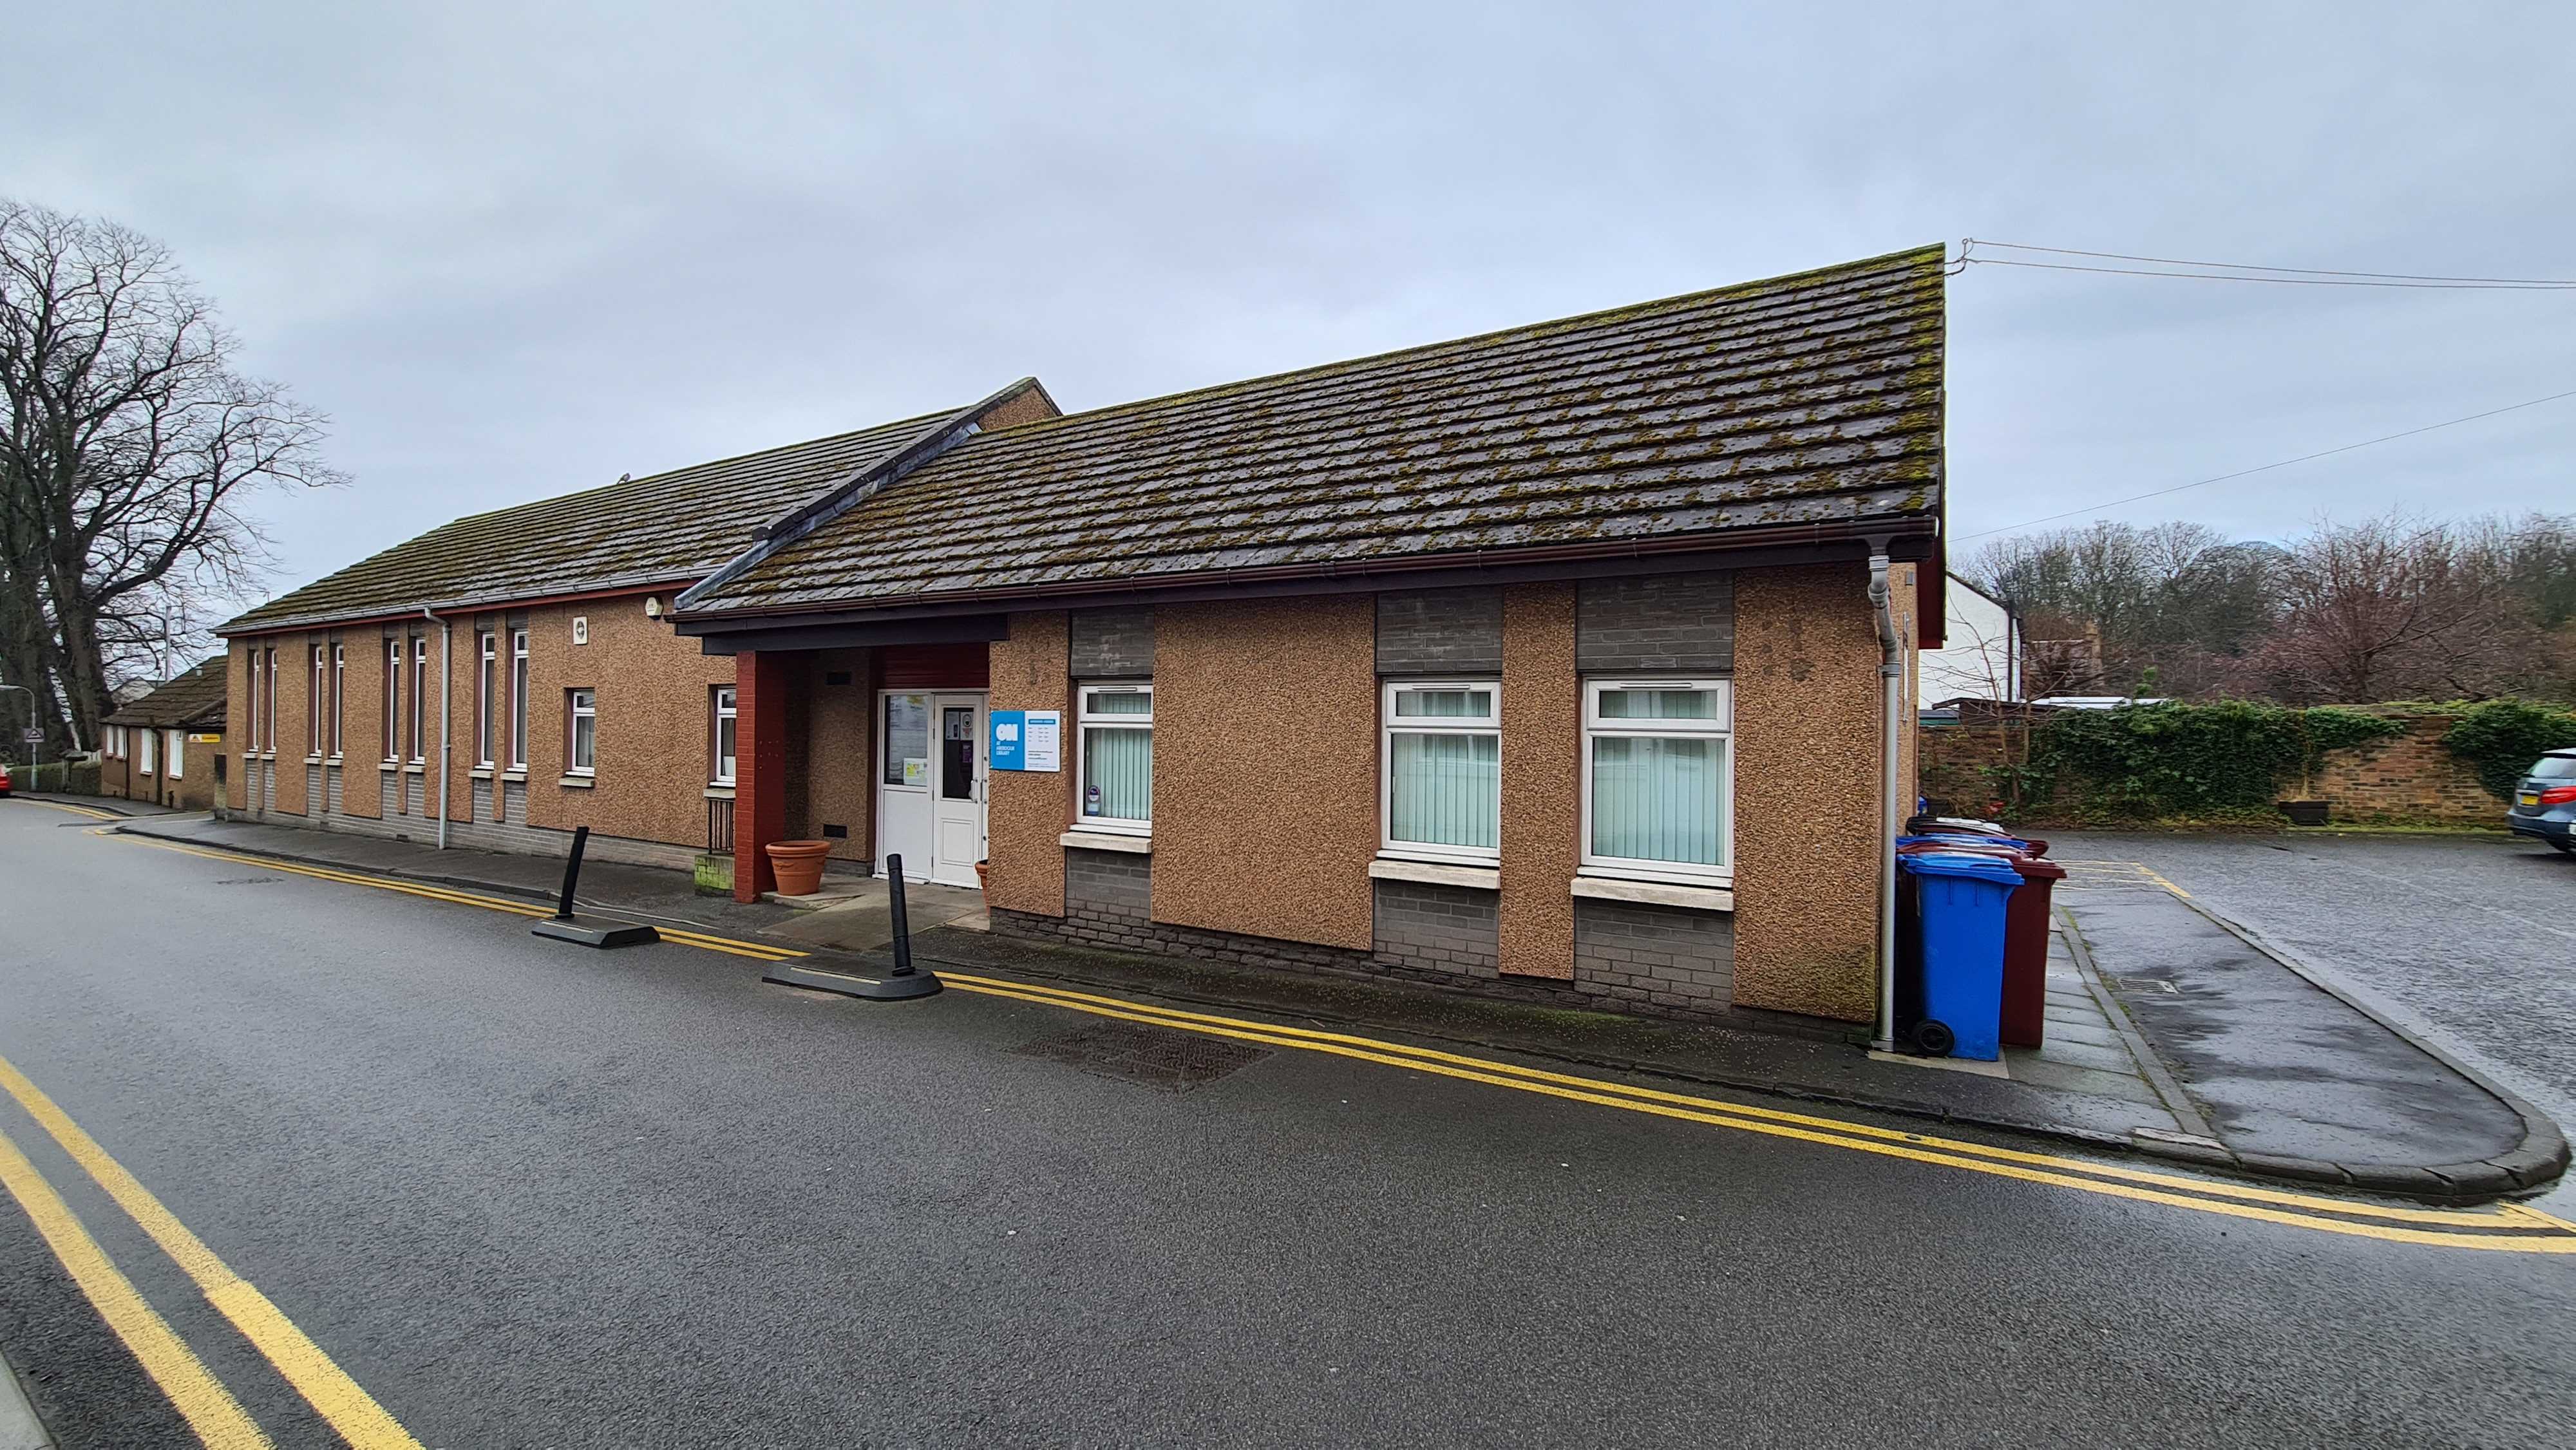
x,y
1935,1038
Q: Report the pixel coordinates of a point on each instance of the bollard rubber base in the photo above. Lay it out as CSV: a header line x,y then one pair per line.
x,y
583,934
848,984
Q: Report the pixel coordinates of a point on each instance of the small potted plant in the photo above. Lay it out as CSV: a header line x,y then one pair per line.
x,y
983,873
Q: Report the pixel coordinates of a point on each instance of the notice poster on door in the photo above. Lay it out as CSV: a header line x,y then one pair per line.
x,y
1026,740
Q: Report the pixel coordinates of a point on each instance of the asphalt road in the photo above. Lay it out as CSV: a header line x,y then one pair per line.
x,y
528,1195
2470,940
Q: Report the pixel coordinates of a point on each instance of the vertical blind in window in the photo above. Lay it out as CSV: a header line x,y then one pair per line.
x,y
1444,767
1118,754
1658,761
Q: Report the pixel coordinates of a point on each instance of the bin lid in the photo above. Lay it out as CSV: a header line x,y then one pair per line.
x,y
1977,865
1964,841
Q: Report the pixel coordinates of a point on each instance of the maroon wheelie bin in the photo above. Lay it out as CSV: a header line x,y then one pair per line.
x,y
2025,1003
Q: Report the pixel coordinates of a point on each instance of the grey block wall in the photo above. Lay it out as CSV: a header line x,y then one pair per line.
x,y
331,792
1665,956
1111,886
1448,929
315,792
1112,644
1440,632
388,794
1658,623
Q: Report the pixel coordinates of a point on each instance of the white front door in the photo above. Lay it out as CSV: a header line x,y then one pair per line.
x,y
957,788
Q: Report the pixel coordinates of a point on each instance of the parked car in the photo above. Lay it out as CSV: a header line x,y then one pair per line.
x,y
2544,805
4,780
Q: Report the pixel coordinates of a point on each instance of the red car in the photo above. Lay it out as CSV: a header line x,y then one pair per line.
x,y
4,780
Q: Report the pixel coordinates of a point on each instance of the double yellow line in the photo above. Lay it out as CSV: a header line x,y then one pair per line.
x,y
2503,1227
201,1399
2508,1226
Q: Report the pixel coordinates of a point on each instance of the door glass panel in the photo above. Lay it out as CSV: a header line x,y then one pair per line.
x,y
957,752
907,740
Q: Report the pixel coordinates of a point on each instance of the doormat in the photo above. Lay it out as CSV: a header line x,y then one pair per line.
x,y
1157,1057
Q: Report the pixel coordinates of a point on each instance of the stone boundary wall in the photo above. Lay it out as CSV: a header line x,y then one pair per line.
x,y
2402,779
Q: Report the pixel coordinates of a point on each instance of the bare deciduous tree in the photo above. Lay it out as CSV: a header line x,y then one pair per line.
x,y
132,444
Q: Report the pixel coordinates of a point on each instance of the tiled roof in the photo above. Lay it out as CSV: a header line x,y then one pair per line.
x,y
666,527
1814,398
195,698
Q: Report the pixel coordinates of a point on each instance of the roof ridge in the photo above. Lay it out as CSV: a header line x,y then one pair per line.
x,y
1889,261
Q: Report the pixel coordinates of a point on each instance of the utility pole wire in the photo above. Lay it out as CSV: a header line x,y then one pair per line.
x,y
2265,468
1973,242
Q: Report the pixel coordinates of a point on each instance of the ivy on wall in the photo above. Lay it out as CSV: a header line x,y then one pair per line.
x,y
2144,762
2503,737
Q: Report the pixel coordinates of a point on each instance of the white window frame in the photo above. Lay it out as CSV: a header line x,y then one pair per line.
x,y
1084,719
518,699
339,699
419,698
1492,725
151,737
314,728
488,652
575,711
174,764
393,697
727,712
1721,727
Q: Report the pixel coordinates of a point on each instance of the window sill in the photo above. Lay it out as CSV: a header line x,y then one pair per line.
x,y
388,766
312,760
1655,893
521,776
578,782
416,767
333,760
718,792
1107,841
480,772
1435,873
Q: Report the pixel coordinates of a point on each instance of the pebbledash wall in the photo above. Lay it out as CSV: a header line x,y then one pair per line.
x,y
647,800
1264,844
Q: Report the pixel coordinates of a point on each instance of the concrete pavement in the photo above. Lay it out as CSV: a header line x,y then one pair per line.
x,y
526,1194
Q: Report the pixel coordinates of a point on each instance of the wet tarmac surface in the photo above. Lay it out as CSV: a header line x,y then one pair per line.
x,y
531,1195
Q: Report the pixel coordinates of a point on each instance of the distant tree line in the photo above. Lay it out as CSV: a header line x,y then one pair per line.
x,y
131,444
2391,608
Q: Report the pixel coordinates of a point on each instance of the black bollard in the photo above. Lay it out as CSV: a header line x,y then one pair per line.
x,y
902,924
562,927
894,986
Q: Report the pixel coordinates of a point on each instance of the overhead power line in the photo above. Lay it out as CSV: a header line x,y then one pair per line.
x,y
2250,272
2264,468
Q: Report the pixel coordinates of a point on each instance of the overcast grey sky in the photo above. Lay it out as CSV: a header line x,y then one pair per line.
x,y
520,250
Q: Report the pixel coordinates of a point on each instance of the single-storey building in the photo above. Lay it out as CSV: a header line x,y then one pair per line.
x,y
167,745
1980,657
506,677
1573,660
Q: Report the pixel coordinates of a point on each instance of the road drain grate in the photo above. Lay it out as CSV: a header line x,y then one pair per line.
x,y
1157,1057
247,880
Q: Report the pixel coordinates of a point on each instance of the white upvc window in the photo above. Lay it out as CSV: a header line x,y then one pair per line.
x,y
1117,747
488,676
721,737
419,698
317,716
258,686
1658,780
150,737
178,754
339,699
268,706
393,699
1440,777
518,699
581,750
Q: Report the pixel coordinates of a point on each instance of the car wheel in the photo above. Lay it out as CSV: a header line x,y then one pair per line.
x,y
2565,847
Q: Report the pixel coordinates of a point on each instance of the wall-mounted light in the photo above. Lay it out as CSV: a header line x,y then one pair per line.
x,y
581,629
652,606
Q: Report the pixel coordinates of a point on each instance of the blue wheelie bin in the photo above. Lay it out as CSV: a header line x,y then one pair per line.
x,y
1959,897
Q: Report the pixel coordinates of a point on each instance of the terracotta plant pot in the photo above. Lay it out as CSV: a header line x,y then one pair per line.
x,y
983,875
799,865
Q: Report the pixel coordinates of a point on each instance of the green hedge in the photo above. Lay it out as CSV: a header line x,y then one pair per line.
x,y
2503,737
2144,762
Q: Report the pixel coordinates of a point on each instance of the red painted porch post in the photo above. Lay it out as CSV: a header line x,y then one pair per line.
x,y
760,769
